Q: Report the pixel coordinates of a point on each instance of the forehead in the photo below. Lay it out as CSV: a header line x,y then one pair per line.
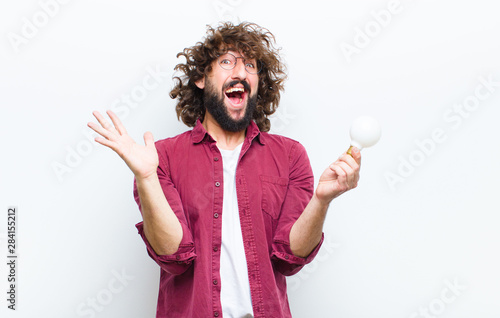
x,y
232,55
236,52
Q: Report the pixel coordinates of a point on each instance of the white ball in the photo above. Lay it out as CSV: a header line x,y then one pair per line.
x,y
365,132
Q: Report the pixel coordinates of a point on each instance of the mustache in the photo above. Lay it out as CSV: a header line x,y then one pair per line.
x,y
233,83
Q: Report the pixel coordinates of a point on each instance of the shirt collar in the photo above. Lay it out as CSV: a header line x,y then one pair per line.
x,y
199,133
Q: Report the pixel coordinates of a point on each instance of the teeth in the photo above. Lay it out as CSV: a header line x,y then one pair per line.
x,y
235,89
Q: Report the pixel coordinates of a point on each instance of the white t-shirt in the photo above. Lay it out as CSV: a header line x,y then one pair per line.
x,y
235,286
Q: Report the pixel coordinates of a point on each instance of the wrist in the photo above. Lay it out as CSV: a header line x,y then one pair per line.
x,y
143,179
323,204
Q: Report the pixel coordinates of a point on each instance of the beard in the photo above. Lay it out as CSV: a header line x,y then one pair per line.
x,y
214,103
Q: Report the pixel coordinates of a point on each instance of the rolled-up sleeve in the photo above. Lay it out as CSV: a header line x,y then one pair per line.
x,y
183,258
174,264
286,262
299,193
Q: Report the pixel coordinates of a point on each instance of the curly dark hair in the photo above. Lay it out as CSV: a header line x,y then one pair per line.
x,y
253,42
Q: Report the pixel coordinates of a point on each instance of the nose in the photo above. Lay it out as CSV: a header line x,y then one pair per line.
x,y
239,71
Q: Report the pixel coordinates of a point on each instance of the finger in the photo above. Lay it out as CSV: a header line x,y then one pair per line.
x,y
98,129
350,160
348,171
352,175
356,155
117,122
148,139
104,123
355,166
106,142
341,177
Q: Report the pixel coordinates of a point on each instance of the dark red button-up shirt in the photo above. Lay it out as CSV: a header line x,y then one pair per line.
x,y
274,183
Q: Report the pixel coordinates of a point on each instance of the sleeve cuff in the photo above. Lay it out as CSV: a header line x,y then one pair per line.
x,y
286,262
176,263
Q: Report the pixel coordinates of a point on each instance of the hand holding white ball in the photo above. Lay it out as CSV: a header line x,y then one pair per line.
x,y
365,132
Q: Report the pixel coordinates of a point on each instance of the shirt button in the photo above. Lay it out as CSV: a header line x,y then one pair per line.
x,y
178,257
215,282
216,314
217,184
216,215
216,159
286,257
216,248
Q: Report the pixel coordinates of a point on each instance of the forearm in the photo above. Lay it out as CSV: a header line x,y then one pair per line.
x,y
306,232
161,226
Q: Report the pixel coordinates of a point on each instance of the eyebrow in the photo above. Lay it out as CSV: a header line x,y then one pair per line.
x,y
233,51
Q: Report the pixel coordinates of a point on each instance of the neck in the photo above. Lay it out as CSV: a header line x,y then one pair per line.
x,y
225,139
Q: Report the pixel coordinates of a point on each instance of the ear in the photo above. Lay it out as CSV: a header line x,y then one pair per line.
x,y
200,83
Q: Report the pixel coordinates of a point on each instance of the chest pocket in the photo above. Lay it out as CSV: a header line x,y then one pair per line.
x,y
273,194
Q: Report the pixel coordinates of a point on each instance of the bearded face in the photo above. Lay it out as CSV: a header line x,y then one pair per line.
x,y
233,107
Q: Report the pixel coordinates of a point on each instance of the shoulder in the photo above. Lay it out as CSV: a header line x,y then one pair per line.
x,y
291,147
281,141
173,147
180,139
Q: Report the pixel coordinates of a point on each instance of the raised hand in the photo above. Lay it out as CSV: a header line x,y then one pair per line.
x,y
339,177
142,160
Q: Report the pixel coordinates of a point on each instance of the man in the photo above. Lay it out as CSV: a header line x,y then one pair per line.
x,y
228,209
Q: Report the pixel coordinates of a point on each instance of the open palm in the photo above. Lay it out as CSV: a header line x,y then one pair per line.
x,y
142,160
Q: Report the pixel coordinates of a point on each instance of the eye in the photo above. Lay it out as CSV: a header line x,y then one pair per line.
x,y
250,65
225,61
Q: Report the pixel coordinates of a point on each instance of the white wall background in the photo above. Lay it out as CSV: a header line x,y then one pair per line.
x,y
418,223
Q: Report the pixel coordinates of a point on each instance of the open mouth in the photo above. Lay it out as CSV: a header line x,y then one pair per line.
x,y
236,95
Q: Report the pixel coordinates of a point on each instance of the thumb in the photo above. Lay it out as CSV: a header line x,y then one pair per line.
x,y
148,139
